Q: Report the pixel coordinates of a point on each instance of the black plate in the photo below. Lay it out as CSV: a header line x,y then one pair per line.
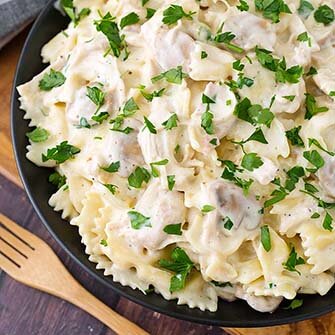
x,y
234,314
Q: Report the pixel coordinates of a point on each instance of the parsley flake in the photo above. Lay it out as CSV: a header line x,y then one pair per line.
x,y
171,122
327,222
154,171
138,220
272,9
112,167
111,188
266,238
311,107
38,135
227,223
305,9
139,176
175,13
174,76
70,10
251,161
207,208
293,261
96,96
60,153
324,14
171,182
315,159
57,179
51,80
294,137
129,19
295,303
173,229
149,125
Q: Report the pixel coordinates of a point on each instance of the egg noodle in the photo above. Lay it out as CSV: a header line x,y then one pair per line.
x,y
193,144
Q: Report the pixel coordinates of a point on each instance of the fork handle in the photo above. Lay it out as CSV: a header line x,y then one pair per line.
x,y
89,303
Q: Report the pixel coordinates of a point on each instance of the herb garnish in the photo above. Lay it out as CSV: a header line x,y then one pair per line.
x,y
181,265
129,19
227,223
174,76
60,153
96,96
173,229
151,96
324,14
154,171
295,303
266,238
293,260
207,208
149,125
51,80
111,188
171,122
294,137
171,181
243,6
112,167
138,220
305,9
311,107
70,10
271,9
139,176
38,135
251,161
175,13
57,179
315,159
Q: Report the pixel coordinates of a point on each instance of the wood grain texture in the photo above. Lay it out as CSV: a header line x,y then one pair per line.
x,y
27,311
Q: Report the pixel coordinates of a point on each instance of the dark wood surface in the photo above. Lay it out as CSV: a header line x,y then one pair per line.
x,y
26,311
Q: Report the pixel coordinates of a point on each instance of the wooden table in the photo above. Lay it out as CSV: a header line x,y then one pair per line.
x,y
25,311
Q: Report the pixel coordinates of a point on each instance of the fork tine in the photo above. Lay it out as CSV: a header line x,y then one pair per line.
x,y
8,265
11,252
21,233
13,240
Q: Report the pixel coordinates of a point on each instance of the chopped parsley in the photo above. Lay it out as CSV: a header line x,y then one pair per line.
x,y
315,159
174,76
303,37
226,39
289,97
293,261
70,10
111,188
221,284
315,215
139,176
313,141
238,66
149,125
151,96
327,222
38,135
295,303
251,161
311,107
171,122
324,14
102,116
57,179
112,167
282,74
110,29
154,171
173,229
175,13
294,174
294,137
104,243
204,54
181,265
312,71
266,238
96,95
150,13
51,80
305,9
83,123
130,107
254,114
171,181
272,9
227,223
277,195
129,19
207,208
138,220
60,153
243,6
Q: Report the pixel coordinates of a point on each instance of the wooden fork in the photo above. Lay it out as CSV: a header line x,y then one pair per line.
x,y
29,260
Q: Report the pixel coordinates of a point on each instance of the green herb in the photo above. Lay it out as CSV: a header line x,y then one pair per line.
x,y
129,19
303,37
214,141
289,97
327,222
282,74
70,10
315,159
207,208
241,81
154,171
321,203
60,153
207,122
311,108
181,265
148,124
243,6
227,223
57,180
315,215
171,181
103,242
312,71
51,80
173,229
150,13
97,138
130,107
314,141
294,174
266,238
254,114
175,13
171,122
144,2
294,137
305,9
272,9
251,161
96,96
204,54
221,284
83,123
112,167
111,188
295,303
174,76
324,14
117,124
293,261
332,94
154,94
110,29
138,220
38,135
238,66
257,136
139,176
276,196
226,39
310,188
100,117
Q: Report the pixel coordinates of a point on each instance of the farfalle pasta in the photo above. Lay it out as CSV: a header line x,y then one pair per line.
x,y
192,144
